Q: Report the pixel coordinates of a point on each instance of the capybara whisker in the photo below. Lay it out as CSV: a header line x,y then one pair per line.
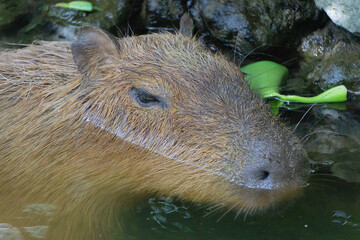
x,y
223,215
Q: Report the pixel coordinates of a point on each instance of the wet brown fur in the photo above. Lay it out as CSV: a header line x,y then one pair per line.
x,y
80,142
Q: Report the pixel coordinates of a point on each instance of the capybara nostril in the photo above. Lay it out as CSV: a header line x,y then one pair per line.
x,y
258,175
262,175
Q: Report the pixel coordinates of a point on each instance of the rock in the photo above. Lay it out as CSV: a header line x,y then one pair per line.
x,y
330,57
333,131
12,11
344,13
112,13
12,15
245,25
48,22
162,14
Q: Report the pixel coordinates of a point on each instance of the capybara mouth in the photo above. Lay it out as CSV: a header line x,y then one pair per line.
x,y
253,201
261,199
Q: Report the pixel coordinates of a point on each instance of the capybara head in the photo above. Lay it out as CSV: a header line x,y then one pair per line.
x,y
195,129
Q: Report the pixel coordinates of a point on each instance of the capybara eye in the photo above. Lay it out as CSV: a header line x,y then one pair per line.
x,y
144,98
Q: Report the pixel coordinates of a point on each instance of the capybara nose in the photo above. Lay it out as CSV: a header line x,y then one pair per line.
x,y
261,174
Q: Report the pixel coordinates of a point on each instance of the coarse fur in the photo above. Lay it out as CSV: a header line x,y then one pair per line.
x,y
74,136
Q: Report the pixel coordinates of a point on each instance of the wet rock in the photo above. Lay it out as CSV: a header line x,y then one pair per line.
x,y
162,14
45,21
344,13
330,57
12,15
12,11
333,130
249,24
112,13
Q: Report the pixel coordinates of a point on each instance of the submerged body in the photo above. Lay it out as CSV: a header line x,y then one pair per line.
x,y
90,129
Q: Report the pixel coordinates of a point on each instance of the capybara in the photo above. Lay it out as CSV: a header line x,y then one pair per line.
x,y
87,129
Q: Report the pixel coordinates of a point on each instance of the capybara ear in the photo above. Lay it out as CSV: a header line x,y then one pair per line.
x,y
93,48
186,25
